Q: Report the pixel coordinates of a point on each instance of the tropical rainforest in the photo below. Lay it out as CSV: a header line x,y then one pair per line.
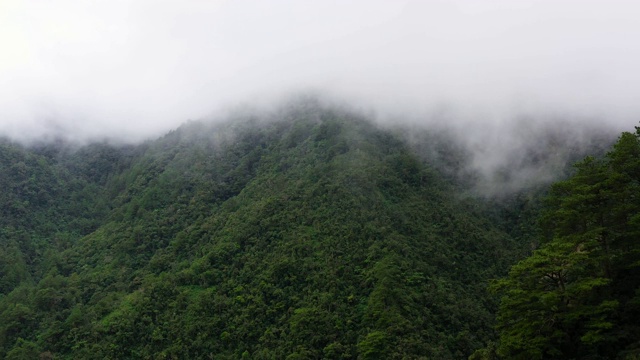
x,y
313,233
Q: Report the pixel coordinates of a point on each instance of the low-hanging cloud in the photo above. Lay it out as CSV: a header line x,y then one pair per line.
x,y
135,69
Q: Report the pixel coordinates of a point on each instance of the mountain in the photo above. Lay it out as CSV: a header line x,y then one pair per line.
x,y
308,234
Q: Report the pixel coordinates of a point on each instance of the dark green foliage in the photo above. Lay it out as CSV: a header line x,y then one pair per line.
x,y
313,235
45,209
577,295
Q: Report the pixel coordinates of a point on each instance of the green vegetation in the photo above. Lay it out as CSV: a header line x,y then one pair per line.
x,y
315,235
578,295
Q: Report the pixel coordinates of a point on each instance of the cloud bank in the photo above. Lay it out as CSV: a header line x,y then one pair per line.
x,y
135,69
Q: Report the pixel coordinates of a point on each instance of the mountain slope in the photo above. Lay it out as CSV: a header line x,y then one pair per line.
x,y
315,235
46,207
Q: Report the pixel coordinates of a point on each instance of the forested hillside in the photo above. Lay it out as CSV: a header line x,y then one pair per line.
x,y
578,295
309,235
47,203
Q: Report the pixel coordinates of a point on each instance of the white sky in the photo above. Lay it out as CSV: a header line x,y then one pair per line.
x,y
135,69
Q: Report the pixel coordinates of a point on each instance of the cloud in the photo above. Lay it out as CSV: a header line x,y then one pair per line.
x,y
135,69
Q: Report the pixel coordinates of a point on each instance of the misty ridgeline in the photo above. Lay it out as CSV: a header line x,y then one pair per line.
x,y
314,232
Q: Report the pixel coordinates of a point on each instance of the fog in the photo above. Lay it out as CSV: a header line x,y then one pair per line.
x,y
132,70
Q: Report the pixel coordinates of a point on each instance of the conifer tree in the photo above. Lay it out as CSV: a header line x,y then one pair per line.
x,y
568,298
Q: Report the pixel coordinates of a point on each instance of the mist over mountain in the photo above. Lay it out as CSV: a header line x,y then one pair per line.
x,y
525,153
319,180
135,70
505,78
306,232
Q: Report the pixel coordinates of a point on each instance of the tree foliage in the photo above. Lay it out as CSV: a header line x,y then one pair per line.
x,y
577,295
310,235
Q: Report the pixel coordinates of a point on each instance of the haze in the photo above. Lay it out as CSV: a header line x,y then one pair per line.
x,y
135,69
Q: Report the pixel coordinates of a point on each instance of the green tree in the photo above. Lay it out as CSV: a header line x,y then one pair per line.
x,y
566,299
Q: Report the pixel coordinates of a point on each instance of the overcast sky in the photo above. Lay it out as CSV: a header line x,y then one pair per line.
x,y
136,69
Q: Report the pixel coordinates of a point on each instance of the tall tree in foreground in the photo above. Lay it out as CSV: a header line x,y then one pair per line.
x,y
578,294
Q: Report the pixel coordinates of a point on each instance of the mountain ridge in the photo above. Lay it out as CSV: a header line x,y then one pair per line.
x,y
318,235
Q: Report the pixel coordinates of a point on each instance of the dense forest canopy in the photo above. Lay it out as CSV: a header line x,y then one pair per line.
x,y
578,294
313,235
